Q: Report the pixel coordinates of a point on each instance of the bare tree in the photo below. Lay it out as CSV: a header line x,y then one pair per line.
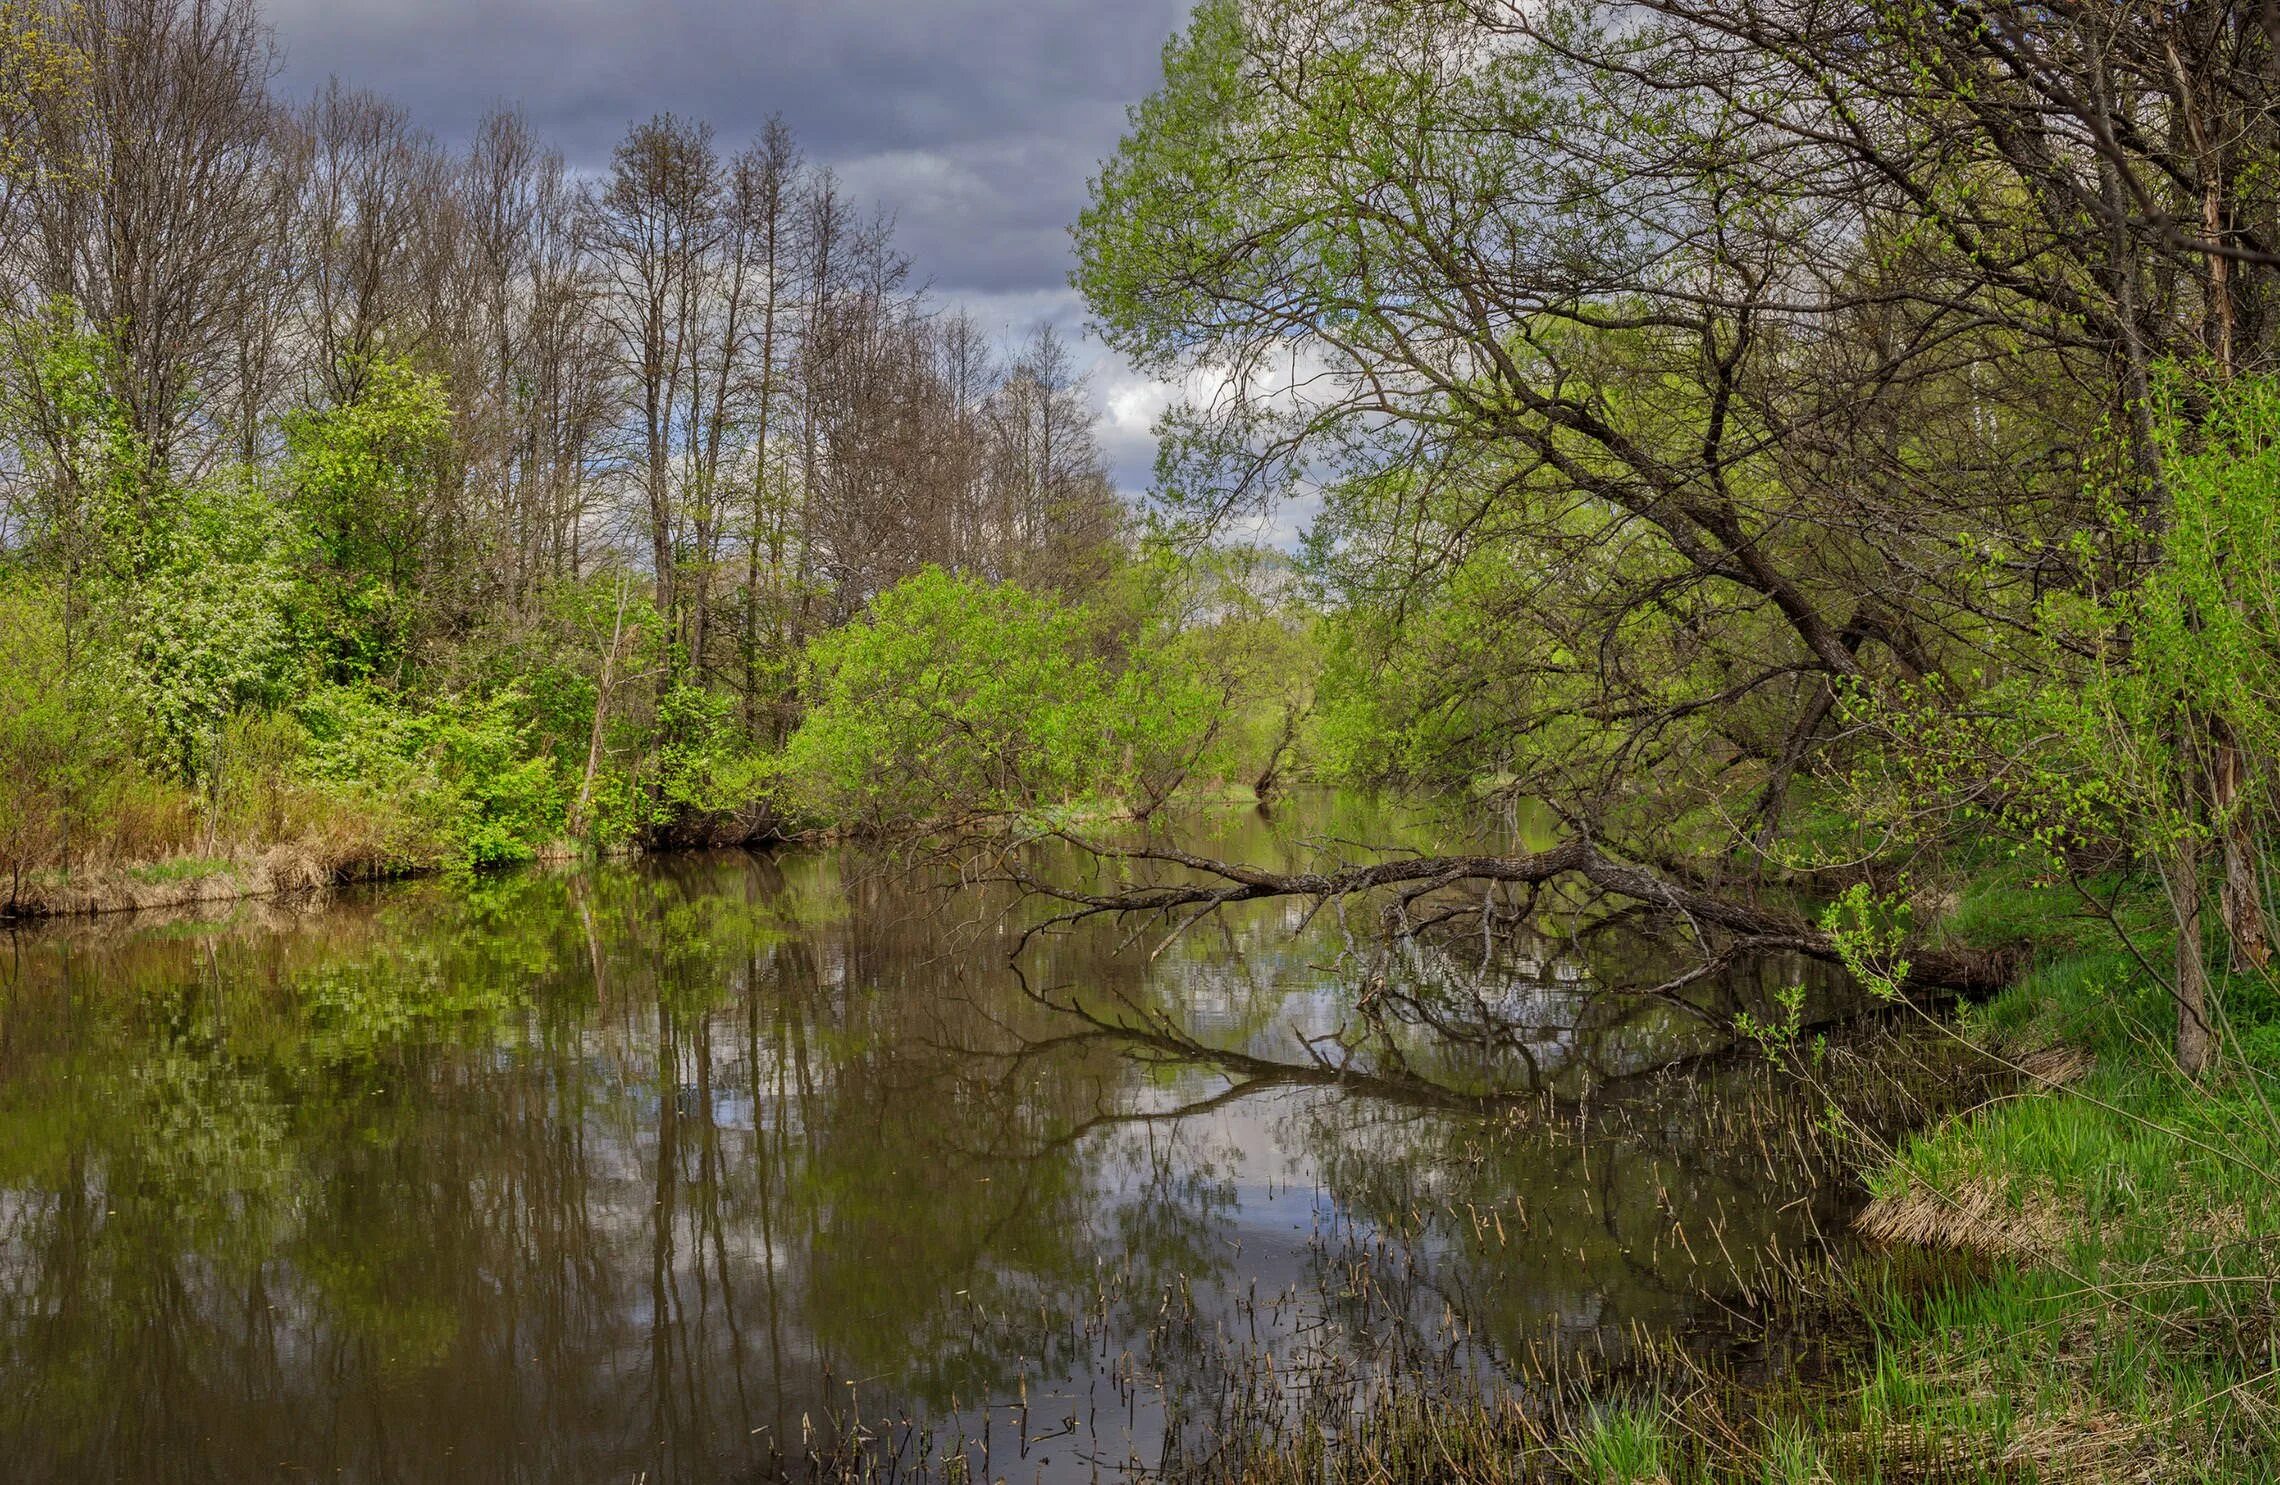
x,y
764,189
1057,513
652,231
151,197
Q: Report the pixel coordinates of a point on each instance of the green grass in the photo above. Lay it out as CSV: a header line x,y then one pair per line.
x,y
179,869
2122,1325
1622,1446
2129,1331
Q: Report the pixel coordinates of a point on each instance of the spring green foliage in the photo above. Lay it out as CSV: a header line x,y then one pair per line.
x,y
957,695
204,628
199,671
52,750
1245,619
696,766
2098,731
177,597
2193,639
462,765
1411,695
360,475
243,661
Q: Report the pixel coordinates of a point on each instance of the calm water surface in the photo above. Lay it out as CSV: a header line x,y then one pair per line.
x,y
674,1171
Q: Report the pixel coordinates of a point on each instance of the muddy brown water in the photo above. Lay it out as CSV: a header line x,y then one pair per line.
x,y
692,1168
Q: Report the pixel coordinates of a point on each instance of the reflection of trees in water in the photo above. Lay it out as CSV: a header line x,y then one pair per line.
x,y
602,1169
573,1176
1555,1247
1507,1012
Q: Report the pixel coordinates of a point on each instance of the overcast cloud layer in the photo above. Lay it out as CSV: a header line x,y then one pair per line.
x,y
975,122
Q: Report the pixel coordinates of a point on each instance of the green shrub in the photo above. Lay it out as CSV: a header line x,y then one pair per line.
x,y
462,768
955,695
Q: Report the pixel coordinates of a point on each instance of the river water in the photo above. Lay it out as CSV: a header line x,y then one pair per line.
x,y
694,1168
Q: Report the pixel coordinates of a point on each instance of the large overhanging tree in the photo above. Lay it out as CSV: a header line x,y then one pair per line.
x,y
1712,399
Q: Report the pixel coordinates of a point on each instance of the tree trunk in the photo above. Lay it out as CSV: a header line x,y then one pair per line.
x,y
2241,898
577,821
1272,774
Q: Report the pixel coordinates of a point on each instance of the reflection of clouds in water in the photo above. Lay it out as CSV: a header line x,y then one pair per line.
x,y
1211,1006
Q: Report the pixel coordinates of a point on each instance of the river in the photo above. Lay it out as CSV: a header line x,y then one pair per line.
x,y
699,1167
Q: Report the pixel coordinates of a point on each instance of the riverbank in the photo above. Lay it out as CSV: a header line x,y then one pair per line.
x,y
186,881
2079,1277
2119,1322
340,858
2110,1313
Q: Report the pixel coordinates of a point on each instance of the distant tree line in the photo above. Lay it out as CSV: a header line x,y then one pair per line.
x,y
712,360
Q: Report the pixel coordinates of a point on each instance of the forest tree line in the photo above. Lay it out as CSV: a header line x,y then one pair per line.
x,y
353,477
1817,445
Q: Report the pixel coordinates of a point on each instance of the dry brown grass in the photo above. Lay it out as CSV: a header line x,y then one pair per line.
x,y
2084,1446
2057,1066
1976,1218
338,848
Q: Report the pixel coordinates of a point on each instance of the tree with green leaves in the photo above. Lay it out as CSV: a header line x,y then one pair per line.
x,y
364,477
955,697
1698,390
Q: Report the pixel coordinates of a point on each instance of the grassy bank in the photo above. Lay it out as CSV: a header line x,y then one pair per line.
x,y
2120,1324
2107,1305
180,881
2108,1310
2110,1313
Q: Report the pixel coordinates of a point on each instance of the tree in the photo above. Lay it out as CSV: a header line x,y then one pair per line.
x,y
653,231
1656,418
204,629
365,477
1055,515
454,393
987,699
151,192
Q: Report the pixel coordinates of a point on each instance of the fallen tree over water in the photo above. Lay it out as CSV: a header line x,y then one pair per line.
x,y
1724,927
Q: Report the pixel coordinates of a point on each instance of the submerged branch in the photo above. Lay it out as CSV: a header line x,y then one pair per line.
x,y
1739,924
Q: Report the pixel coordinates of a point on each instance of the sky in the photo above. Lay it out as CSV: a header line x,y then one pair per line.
x,y
976,123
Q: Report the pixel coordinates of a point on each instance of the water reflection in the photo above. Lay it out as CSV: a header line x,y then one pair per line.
x,y
664,1171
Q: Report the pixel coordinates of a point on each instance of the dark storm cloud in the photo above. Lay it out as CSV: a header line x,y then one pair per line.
x,y
975,122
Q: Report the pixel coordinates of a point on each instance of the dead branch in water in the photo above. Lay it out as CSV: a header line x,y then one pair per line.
x,y
1723,925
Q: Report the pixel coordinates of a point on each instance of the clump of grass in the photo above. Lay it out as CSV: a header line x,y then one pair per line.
x,y
1790,1455
1622,1445
179,869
